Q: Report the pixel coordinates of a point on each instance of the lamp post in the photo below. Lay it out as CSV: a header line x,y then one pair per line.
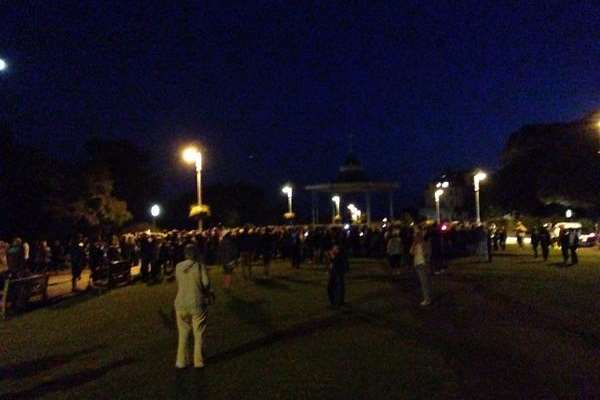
x,y
355,213
155,212
479,176
437,194
287,190
192,155
336,201
598,126
3,65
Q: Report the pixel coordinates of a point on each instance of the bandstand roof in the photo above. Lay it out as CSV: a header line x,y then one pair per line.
x,y
352,178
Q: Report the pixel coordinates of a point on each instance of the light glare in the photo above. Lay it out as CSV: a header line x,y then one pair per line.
x,y
155,210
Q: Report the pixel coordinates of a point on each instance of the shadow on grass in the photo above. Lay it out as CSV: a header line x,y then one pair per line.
x,y
272,284
251,312
297,331
300,281
68,382
168,319
34,367
73,299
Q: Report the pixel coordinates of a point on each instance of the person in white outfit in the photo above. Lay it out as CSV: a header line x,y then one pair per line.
x,y
193,286
419,261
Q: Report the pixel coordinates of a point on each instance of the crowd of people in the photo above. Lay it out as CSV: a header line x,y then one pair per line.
x,y
186,254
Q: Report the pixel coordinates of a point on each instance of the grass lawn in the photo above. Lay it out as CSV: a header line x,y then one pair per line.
x,y
516,328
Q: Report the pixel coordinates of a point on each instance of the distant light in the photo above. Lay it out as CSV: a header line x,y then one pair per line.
x,y
3,65
191,155
438,193
336,199
347,226
445,185
480,176
444,227
385,220
569,213
287,189
361,234
155,210
305,234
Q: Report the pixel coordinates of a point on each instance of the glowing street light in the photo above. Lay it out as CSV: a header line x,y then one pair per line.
x,y
192,155
3,65
479,176
155,212
289,191
336,201
437,194
569,213
355,213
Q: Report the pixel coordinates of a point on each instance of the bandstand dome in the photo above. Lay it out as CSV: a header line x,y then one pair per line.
x,y
352,178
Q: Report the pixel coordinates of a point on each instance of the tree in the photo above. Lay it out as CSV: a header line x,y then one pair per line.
x,y
550,164
97,207
134,179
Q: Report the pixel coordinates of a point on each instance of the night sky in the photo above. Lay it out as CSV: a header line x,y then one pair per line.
x,y
273,91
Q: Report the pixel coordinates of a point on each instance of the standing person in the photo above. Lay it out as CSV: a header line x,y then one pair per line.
x,y
146,249
502,238
420,266
15,259
97,260
482,243
437,251
267,248
77,256
563,239
26,253
544,237
3,260
573,245
520,231
246,253
296,248
193,287
228,255
336,288
394,252
535,241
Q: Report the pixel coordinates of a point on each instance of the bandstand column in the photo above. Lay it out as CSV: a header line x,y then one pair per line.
x,y
368,197
314,208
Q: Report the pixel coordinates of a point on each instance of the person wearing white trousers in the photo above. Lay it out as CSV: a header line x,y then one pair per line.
x,y
192,286
417,252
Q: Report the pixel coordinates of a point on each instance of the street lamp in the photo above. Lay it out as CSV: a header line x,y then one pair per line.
x,y
155,212
192,155
479,176
598,126
355,213
3,65
336,201
437,194
287,190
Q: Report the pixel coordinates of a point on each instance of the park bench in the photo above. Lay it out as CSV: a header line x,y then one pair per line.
x,y
112,274
19,291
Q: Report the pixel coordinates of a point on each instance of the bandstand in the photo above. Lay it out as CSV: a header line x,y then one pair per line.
x,y
352,179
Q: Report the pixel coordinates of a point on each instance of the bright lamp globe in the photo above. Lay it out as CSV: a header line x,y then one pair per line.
x,y
190,155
